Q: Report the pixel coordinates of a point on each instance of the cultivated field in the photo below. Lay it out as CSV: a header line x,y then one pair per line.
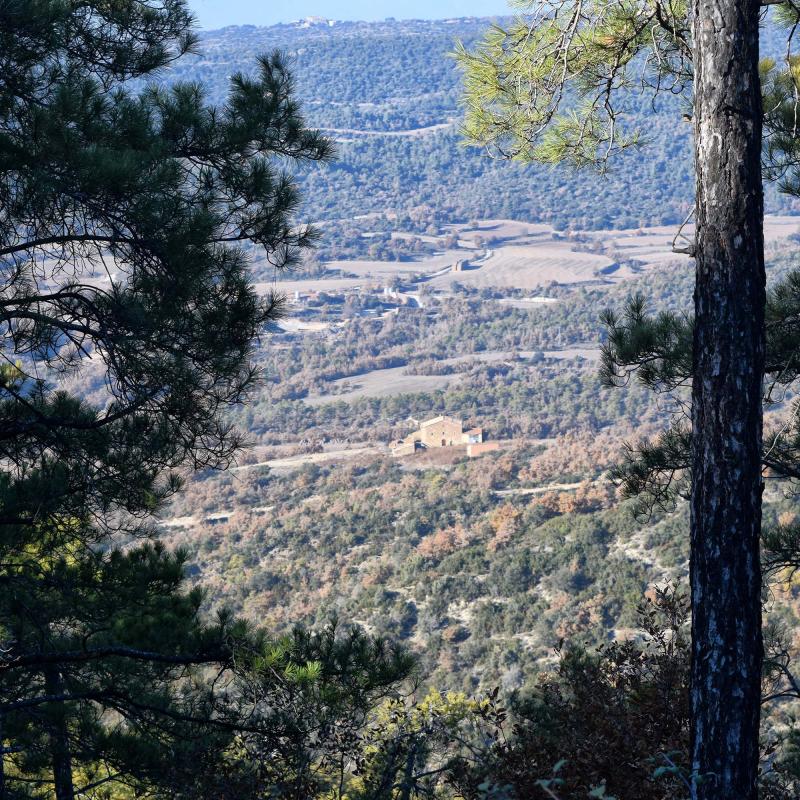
x,y
382,383
501,229
396,380
529,267
383,270
653,246
512,255
288,287
500,255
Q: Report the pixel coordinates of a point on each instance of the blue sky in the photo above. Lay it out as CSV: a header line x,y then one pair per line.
x,y
219,13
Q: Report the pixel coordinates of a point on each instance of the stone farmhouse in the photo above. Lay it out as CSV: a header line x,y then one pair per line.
x,y
437,432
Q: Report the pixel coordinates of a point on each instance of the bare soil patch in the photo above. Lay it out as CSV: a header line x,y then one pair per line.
x,y
529,267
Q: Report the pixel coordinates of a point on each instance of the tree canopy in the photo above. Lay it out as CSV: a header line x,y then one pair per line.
x,y
126,211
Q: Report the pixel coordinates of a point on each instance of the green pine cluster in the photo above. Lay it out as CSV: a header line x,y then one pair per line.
x,y
126,210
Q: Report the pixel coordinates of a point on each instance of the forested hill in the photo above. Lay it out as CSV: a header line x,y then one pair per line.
x,y
389,93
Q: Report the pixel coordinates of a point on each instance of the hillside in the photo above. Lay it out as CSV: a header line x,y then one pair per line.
x,y
480,565
343,462
447,284
389,94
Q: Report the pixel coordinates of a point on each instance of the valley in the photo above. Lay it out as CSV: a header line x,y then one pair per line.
x,y
481,565
446,283
390,411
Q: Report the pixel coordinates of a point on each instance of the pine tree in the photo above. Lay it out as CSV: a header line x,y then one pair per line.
x,y
117,678
553,88
128,209
728,369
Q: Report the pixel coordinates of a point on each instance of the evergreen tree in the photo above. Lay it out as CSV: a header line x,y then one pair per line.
x,y
728,369
554,87
128,213
118,680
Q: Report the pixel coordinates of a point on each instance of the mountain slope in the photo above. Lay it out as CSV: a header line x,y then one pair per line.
x,y
362,81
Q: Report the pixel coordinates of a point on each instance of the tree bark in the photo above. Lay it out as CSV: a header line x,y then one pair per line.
x,y
727,649
59,737
2,760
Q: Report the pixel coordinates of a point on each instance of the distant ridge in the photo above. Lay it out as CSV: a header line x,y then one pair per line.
x,y
374,84
316,23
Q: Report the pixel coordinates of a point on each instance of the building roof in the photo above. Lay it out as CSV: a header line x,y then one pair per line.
x,y
439,419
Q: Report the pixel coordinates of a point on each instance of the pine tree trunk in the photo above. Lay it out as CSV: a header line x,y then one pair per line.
x,y
726,401
2,760
59,738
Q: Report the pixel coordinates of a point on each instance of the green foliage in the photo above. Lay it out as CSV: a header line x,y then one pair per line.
x,y
130,318
555,86
655,472
660,346
411,749
390,76
656,349
113,661
122,214
602,718
559,84
779,88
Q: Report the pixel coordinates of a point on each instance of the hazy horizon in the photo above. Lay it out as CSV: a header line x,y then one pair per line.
x,y
213,14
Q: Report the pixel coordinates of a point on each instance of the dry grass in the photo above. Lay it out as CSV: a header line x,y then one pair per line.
x,y
383,383
529,266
